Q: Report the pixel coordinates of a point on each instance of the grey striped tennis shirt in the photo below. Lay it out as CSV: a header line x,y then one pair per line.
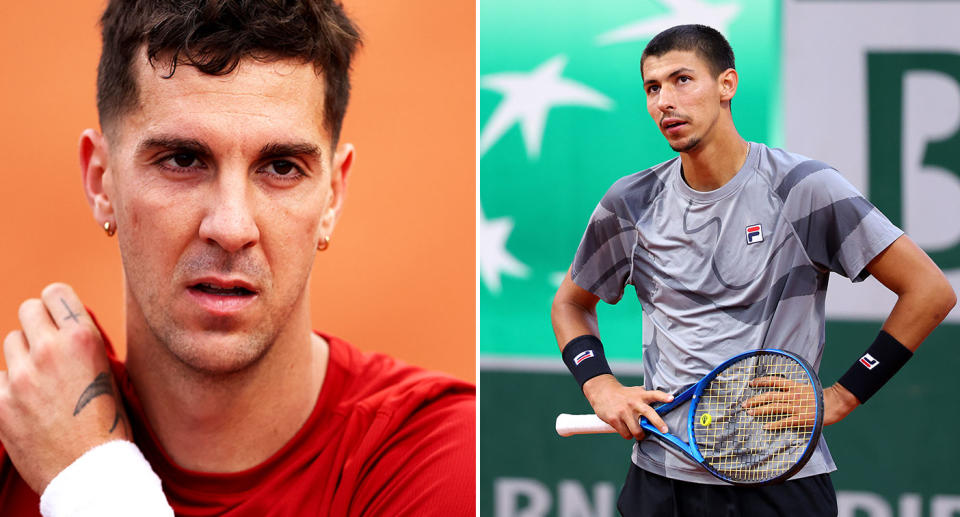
x,y
721,272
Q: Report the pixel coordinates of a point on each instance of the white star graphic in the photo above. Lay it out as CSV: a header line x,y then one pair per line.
x,y
682,12
556,278
492,254
528,97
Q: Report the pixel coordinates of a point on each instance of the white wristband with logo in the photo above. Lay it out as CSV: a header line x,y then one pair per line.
x,y
112,479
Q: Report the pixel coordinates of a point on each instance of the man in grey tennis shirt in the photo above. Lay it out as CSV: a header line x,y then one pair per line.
x,y
730,246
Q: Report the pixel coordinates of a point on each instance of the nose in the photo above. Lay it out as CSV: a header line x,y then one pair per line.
x,y
666,100
229,221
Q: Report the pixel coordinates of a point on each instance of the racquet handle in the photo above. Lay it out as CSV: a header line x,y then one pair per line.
x,y
581,424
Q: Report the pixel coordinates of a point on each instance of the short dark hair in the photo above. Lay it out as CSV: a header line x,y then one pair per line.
x,y
214,35
707,42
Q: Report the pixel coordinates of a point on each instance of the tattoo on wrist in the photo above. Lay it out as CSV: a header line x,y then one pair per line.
x,y
102,385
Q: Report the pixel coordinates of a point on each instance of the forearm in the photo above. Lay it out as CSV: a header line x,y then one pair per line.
x,y
574,312
919,310
924,297
571,320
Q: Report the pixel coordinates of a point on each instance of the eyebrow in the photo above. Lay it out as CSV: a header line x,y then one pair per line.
x,y
172,142
304,149
675,73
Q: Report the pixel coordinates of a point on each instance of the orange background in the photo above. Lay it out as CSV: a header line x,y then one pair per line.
x,y
399,276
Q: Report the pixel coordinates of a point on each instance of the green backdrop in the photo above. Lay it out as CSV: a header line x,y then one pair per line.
x,y
562,116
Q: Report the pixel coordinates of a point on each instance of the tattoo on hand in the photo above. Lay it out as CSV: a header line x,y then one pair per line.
x,y
73,315
102,385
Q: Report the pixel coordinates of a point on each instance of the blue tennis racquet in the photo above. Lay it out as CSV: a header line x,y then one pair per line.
x,y
753,420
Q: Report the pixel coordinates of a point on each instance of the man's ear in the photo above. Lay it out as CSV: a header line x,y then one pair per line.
x,y
342,163
727,82
93,167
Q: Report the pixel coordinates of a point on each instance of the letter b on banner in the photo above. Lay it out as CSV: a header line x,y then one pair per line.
x,y
914,146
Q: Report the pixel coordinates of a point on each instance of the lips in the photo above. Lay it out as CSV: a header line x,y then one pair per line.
x,y
672,127
223,286
670,123
222,291
222,297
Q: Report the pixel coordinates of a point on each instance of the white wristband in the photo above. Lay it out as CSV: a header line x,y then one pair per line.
x,y
112,479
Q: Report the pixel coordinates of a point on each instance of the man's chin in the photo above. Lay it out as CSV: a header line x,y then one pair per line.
x,y
217,353
685,146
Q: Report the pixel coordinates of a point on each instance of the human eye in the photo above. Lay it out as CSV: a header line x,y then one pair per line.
x,y
180,160
283,170
653,88
684,79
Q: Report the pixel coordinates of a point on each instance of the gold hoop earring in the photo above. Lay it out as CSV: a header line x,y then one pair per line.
x,y
109,228
324,244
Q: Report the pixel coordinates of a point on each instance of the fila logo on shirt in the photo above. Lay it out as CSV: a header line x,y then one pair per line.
x,y
754,234
868,361
582,356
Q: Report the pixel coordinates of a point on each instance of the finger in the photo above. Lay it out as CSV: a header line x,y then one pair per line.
x,y
771,381
793,422
766,398
15,350
656,396
64,305
633,425
37,326
653,417
772,409
784,423
622,428
756,400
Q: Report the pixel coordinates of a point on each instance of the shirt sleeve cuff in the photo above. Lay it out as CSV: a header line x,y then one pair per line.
x,y
112,479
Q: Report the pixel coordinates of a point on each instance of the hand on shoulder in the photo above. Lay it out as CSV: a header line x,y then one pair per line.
x,y
58,398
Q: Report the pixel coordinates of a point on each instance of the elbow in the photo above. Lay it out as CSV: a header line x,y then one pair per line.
x,y
931,296
950,300
943,299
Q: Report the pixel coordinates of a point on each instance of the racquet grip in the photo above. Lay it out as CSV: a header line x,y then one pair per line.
x,y
581,424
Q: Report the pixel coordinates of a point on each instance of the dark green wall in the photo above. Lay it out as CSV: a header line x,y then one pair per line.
x,y
904,441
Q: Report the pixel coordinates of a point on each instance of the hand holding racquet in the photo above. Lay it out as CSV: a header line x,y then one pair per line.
x,y
753,420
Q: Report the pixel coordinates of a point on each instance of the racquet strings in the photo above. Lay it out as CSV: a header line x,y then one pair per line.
x,y
735,444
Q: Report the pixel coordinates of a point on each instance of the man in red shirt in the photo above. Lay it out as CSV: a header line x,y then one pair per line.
x,y
220,172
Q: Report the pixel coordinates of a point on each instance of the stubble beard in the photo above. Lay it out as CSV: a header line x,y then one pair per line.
x,y
235,352
209,352
690,145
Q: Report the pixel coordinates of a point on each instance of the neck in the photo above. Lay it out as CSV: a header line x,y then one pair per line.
x,y
229,422
713,163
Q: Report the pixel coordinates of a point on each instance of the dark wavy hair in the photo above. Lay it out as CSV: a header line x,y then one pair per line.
x,y
706,41
214,35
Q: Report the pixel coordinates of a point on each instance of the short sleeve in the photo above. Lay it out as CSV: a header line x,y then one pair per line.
x,y
840,230
603,261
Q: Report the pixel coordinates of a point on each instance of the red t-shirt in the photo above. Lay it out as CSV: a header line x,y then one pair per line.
x,y
385,438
